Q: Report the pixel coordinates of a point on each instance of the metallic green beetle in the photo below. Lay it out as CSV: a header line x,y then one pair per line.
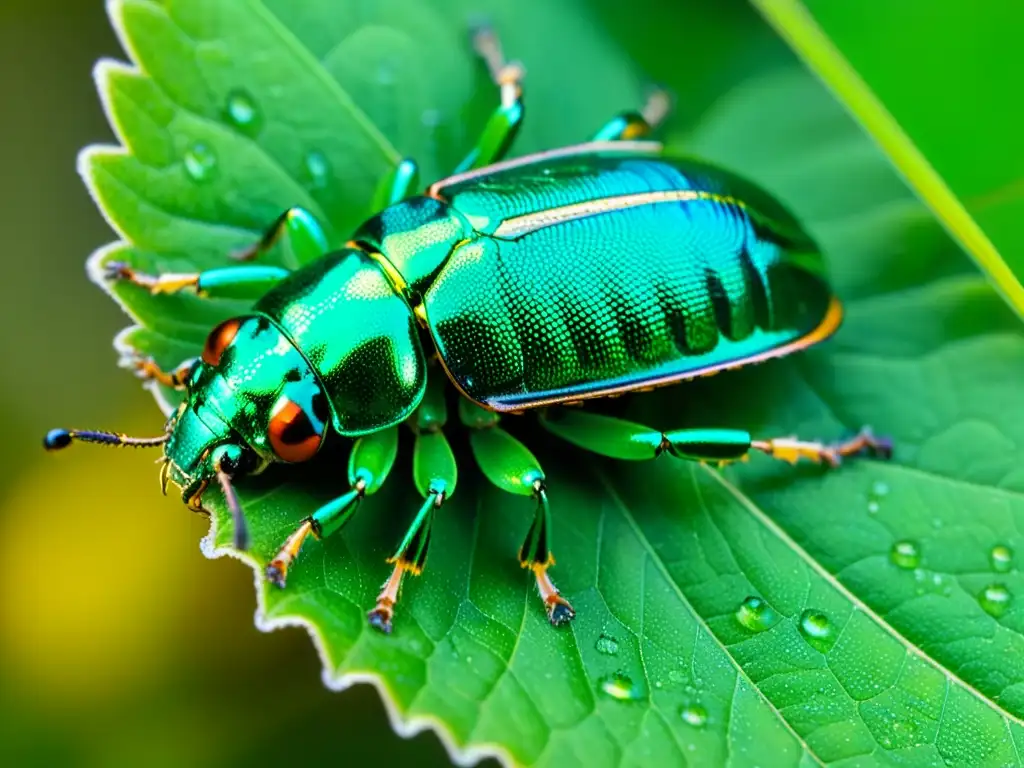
x,y
582,272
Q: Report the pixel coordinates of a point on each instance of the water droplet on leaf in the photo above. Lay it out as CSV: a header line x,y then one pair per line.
x,y
200,162
756,615
878,491
607,645
1001,558
995,599
620,687
430,118
905,554
817,630
242,112
694,714
385,75
318,169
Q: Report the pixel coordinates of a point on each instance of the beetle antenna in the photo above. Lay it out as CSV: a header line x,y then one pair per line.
x,y
235,506
61,438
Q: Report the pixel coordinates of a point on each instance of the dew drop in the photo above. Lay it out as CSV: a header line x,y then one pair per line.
x,y
620,687
385,75
878,491
694,714
242,112
756,615
675,676
995,599
1001,558
817,630
200,162
430,118
318,169
607,645
905,554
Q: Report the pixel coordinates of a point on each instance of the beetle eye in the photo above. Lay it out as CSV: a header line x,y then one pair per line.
x,y
219,339
292,434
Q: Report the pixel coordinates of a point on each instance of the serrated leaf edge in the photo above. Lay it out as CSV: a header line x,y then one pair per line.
x,y
401,723
404,724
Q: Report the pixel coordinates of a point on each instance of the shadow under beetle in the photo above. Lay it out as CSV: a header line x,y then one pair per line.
x,y
582,272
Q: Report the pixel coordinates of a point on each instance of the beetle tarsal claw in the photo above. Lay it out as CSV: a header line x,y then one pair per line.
x,y
381,616
384,611
791,450
277,569
865,443
559,610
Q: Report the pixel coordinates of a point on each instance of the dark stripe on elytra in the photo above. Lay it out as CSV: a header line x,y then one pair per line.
x,y
757,291
719,302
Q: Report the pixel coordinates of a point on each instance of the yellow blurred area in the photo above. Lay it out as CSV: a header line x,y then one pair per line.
x,y
79,549
119,643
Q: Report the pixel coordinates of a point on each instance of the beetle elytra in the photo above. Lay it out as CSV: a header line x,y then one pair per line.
x,y
572,274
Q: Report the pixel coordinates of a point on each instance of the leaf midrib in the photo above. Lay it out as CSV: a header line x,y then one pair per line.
x,y
701,624
762,517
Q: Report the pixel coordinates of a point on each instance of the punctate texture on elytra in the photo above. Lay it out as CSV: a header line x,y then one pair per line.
x,y
852,664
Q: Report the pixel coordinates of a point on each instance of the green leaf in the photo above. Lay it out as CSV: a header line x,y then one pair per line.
x,y
761,615
929,79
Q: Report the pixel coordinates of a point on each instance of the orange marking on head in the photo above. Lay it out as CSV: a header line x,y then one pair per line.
x,y
219,340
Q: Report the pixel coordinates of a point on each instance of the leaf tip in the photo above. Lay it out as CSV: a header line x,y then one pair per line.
x,y
115,12
104,72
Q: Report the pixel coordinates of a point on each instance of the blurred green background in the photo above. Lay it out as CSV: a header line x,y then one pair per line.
x,y
119,643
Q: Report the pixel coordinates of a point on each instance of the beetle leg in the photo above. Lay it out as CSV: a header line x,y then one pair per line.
x,y
147,369
304,234
410,557
620,439
511,467
397,185
634,124
249,281
790,449
371,460
504,123
435,474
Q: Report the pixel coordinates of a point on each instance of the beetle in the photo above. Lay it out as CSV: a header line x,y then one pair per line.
x,y
577,273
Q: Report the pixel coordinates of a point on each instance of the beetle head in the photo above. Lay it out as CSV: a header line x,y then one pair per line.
x,y
250,399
